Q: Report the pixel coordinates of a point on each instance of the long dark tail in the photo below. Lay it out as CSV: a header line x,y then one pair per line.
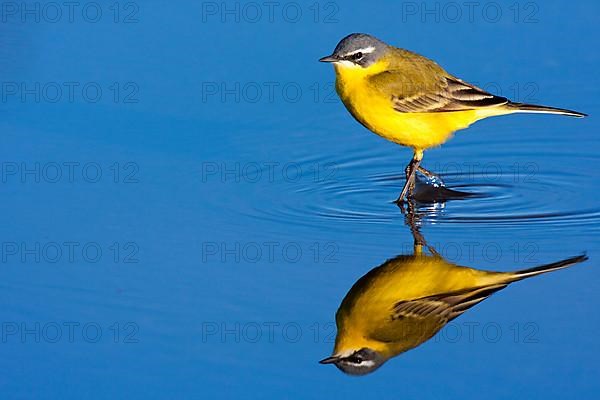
x,y
532,108
542,269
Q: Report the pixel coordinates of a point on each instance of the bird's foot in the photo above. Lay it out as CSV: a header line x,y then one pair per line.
x,y
434,179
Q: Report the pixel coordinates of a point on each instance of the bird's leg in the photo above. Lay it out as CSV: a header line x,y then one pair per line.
x,y
410,172
430,175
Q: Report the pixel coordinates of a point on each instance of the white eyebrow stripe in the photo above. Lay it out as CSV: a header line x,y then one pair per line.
x,y
366,50
367,363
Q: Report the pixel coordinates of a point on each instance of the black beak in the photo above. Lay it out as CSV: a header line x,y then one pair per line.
x,y
328,59
329,360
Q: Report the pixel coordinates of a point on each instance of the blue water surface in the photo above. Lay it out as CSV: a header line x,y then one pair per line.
x,y
186,201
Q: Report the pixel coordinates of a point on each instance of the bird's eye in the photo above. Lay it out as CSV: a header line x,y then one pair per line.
x,y
356,360
357,56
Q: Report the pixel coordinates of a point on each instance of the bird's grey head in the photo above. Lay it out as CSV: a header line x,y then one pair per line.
x,y
360,362
357,49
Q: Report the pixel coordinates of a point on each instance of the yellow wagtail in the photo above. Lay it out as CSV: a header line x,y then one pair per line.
x,y
404,302
410,100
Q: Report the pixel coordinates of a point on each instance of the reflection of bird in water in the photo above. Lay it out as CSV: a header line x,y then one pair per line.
x,y
404,302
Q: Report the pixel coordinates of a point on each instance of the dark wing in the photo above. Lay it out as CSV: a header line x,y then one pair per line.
x,y
412,322
439,93
443,307
453,95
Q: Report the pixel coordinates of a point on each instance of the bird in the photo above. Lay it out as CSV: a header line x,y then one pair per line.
x,y
410,100
404,302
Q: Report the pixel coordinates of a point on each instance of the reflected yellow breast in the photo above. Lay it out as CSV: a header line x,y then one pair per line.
x,y
368,308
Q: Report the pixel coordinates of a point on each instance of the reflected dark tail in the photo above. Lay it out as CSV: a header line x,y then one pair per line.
x,y
542,269
532,108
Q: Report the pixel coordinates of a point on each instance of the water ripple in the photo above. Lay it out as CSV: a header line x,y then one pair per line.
x,y
504,192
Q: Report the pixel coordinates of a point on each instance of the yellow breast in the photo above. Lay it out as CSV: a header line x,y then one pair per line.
x,y
367,308
374,110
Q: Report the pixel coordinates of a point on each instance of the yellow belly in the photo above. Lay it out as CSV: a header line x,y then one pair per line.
x,y
417,130
367,308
